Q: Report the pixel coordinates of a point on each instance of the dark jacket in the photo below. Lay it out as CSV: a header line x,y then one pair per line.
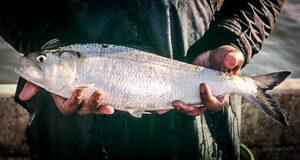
x,y
178,29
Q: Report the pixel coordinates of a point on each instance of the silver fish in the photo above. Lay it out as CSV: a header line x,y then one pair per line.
x,y
136,81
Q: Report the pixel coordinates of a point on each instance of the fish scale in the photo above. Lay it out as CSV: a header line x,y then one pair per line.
x,y
143,70
137,81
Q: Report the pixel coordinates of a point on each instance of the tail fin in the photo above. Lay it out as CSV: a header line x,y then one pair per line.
x,y
264,101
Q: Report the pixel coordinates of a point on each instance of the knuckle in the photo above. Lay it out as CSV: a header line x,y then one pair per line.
x,y
83,112
64,111
73,106
76,101
92,104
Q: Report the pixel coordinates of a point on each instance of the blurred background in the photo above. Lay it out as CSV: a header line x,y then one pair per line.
x,y
281,50
265,138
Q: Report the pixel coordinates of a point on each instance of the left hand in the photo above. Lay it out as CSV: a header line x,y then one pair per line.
x,y
225,58
74,104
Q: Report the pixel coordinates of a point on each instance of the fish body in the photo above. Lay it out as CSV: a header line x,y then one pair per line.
x,y
136,81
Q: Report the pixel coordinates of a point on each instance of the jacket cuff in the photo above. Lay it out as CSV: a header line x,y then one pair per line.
x,y
218,36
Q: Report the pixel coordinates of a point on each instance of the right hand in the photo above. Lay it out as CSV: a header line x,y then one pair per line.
x,y
74,104
226,59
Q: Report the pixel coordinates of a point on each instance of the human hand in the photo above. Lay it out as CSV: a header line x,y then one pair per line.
x,y
225,58
74,104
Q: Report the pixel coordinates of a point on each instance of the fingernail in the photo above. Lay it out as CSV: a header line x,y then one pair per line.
x,y
202,88
108,110
80,94
230,60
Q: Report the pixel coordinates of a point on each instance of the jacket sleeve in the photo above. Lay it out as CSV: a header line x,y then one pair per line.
x,y
244,24
23,33
24,23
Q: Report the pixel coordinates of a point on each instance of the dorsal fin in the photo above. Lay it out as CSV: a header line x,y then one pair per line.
x,y
53,44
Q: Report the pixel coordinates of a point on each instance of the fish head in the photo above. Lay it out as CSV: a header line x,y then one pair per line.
x,y
50,69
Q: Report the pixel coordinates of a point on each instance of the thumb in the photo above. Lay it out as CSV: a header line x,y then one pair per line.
x,y
233,61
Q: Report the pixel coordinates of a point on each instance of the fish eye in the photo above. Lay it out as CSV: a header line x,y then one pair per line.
x,y
41,58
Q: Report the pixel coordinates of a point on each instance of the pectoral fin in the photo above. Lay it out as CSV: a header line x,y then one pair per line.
x,y
84,86
137,112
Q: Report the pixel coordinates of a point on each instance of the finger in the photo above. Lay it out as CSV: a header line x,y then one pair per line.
x,y
230,61
70,105
106,109
233,61
163,111
208,100
28,91
94,100
187,109
59,101
91,104
103,109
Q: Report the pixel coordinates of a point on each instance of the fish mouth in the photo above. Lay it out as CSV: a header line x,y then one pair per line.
x,y
29,70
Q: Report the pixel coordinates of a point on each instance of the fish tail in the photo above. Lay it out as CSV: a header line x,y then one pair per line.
x,y
263,100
